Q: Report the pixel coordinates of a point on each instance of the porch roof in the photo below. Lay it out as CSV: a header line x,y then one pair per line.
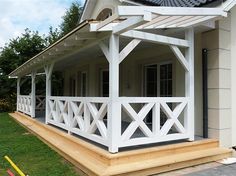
x,y
128,22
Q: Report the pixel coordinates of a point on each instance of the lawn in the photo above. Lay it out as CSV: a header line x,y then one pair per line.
x,y
31,155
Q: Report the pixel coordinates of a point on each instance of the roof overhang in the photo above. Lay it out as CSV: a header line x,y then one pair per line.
x,y
146,17
128,20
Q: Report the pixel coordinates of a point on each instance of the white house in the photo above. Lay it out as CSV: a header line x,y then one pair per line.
x,y
138,72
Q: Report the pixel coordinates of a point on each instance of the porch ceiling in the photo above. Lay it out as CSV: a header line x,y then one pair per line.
x,y
128,22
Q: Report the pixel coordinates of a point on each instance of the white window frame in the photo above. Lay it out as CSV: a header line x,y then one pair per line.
x,y
158,76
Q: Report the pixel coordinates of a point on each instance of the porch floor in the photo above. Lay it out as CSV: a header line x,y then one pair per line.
x,y
137,133
93,160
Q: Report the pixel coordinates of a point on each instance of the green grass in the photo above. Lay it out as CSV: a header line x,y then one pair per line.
x,y
31,155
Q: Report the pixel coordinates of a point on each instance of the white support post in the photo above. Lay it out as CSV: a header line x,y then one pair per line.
x,y
18,93
189,84
114,109
33,97
48,72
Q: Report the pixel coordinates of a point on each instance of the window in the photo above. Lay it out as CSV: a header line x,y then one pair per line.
x,y
83,84
158,80
72,86
104,83
158,83
104,14
166,80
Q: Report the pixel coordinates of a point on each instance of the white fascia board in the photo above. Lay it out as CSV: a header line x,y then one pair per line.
x,y
170,11
108,27
228,5
88,8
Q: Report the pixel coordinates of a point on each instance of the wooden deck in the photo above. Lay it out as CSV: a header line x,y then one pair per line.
x,y
93,160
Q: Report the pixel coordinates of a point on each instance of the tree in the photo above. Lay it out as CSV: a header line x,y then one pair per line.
x,y
53,36
69,22
18,51
71,18
24,47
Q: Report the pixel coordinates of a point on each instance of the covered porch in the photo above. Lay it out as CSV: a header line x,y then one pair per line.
x,y
112,118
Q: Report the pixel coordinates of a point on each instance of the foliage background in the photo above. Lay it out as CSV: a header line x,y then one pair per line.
x,y
24,47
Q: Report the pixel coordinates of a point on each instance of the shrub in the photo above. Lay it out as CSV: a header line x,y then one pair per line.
x,y
8,104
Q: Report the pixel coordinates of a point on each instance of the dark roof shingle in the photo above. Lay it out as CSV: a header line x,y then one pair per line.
x,y
176,3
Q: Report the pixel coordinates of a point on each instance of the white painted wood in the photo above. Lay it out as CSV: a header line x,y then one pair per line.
x,y
48,71
129,24
155,139
18,93
156,122
33,98
107,21
40,103
189,84
194,22
156,133
71,113
105,50
24,104
85,36
137,121
180,57
114,108
228,5
154,38
169,11
128,49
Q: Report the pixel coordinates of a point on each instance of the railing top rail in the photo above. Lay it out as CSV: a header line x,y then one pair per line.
x,y
153,99
26,96
89,99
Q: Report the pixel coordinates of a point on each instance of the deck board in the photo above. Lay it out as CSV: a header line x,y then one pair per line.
x,y
94,160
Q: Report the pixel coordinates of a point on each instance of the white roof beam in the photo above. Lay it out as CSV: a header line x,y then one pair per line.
x,y
107,21
105,50
180,57
228,5
177,11
128,24
128,49
154,38
178,20
108,27
85,36
197,21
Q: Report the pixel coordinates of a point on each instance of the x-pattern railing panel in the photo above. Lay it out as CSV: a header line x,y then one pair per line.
x,y
40,102
153,107
137,120
79,115
24,104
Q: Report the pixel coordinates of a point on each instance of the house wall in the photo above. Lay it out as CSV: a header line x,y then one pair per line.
x,y
100,5
131,74
219,81
233,73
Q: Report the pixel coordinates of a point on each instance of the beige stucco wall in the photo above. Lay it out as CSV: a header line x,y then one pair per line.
x,y
131,74
219,81
233,73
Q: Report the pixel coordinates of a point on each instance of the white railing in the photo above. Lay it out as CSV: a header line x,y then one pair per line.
x,y
170,108
81,116
40,103
88,117
24,104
